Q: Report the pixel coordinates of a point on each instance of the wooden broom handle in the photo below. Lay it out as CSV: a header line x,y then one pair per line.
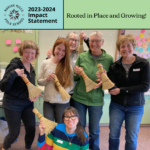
x,y
25,79
37,113
82,73
81,41
56,81
100,68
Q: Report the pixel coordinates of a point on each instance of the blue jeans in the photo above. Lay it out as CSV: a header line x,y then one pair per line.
x,y
54,111
95,113
132,116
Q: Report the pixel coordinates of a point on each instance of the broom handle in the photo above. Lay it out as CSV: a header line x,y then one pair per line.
x,y
82,73
100,68
25,79
56,81
81,41
37,113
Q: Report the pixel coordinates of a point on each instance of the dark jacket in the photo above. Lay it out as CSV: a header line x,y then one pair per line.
x,y
16,92
132,88
87,43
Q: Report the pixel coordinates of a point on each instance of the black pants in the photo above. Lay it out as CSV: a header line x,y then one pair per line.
x,y
13,119
54,111
71,100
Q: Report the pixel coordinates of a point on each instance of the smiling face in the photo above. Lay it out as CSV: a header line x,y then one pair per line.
x,y
59,51
71,121
28,55
95,43
73,42
126,49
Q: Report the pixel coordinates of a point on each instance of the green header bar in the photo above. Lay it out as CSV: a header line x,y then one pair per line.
x,y
106,14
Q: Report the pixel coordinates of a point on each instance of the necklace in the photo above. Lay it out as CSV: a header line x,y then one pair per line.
x,y
69,140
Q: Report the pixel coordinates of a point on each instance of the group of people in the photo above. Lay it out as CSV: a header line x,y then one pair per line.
x,y
130,74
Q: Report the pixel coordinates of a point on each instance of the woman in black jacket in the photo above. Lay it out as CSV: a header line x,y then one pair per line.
x,y
131,77
16,102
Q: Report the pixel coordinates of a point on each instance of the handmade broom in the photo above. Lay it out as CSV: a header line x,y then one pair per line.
x,y
81,49
50,125
106,82
88,82
62,91
32,90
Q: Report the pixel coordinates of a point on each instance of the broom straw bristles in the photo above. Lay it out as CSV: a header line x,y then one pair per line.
x,y
81,48
50,125
106,82
64,95
88,82
32,90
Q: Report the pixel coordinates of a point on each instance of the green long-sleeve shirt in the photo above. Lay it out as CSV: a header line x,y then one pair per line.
x,y
94,97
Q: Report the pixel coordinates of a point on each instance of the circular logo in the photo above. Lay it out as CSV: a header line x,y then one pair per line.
x,y
14,15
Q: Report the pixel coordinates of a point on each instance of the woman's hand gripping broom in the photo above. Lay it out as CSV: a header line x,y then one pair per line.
x,y
64,95
106,82
88,82
50,125
32,90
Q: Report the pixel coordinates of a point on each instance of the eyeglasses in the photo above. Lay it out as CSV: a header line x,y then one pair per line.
x,y
73,40
96,41
68,117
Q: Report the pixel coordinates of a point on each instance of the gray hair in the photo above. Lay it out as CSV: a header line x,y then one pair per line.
x,y
97,33
72,33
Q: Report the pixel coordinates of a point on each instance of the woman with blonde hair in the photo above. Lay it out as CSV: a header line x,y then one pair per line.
x,y
16,103
73,40
131,77
58,65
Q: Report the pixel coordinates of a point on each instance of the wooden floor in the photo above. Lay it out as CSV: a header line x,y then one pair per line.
x,y
143,140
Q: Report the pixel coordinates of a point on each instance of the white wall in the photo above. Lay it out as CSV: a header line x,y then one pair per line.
x,y
48,37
